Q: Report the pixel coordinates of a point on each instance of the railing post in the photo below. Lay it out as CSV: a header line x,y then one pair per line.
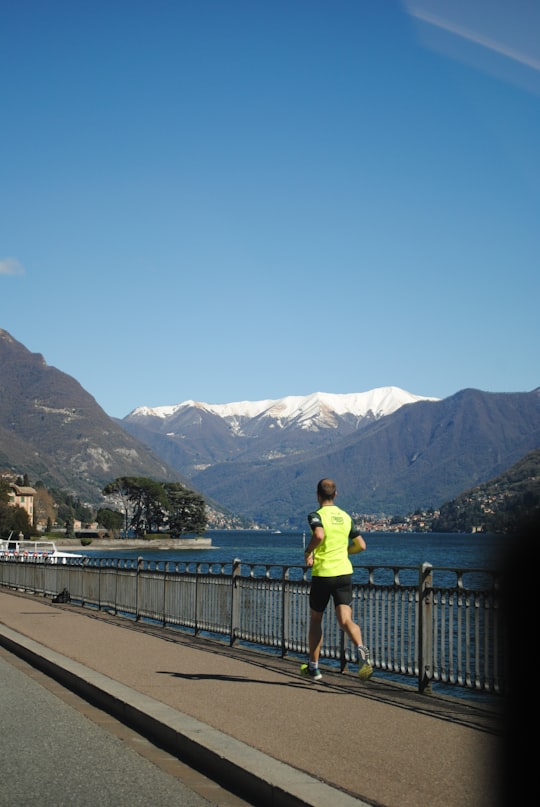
x,y
83,581
137,593
165,587
196,617
235,600
425,628
116,567
285,610
99,580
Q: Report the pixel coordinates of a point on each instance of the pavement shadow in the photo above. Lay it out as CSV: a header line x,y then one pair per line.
x,y
235,679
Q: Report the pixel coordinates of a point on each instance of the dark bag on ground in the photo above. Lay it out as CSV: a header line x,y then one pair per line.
x,y
63,596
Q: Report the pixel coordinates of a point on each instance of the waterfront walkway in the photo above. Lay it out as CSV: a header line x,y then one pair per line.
x,y
249,719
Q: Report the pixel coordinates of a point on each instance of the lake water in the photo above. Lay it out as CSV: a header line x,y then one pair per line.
x,y
383,549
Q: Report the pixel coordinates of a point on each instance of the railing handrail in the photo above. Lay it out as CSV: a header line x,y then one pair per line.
x,y
446,632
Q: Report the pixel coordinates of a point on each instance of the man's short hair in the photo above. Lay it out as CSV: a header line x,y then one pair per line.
x,y
326,489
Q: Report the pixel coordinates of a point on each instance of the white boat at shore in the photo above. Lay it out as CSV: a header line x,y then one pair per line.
x,y
37,551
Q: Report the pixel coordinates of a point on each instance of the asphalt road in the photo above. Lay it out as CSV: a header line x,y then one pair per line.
x,y
58,751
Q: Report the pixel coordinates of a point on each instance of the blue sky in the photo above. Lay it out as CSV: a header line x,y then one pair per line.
x,y
227,200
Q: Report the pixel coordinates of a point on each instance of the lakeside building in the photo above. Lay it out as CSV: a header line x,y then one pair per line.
x,y
22,496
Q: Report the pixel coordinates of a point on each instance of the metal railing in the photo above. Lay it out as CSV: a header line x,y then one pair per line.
x,y
435,625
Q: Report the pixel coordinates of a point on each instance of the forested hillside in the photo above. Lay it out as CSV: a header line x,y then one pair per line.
x,y
508,503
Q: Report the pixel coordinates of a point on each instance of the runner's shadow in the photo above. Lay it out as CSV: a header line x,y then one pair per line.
x,y
239,679
205,677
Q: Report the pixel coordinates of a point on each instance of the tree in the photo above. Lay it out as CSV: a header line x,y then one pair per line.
x,y
4,491
44,506
12,519
186,509
20,522
112,520
5,508
70,507
144,502
121,488
149,505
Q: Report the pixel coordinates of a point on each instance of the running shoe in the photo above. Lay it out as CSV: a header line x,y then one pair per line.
x,y
365,668
307,672
365,671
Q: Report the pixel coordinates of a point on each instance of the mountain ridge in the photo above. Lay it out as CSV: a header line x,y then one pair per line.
x,y
379,401
418,456
54,430
264,468
194,436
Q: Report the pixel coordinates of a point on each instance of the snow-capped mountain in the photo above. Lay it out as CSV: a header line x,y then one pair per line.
x,y
389,450
193,436
318,410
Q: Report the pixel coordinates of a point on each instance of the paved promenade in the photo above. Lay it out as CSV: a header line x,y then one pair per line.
x,y
248,718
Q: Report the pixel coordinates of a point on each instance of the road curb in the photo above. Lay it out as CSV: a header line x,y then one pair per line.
x,y
235,765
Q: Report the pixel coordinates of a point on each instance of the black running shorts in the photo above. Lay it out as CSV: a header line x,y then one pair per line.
x,y
322,588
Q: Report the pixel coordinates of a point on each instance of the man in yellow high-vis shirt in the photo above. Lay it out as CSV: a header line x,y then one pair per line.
x,y
333,538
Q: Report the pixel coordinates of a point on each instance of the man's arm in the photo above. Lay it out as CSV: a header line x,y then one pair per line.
x,y
357,545
317,537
